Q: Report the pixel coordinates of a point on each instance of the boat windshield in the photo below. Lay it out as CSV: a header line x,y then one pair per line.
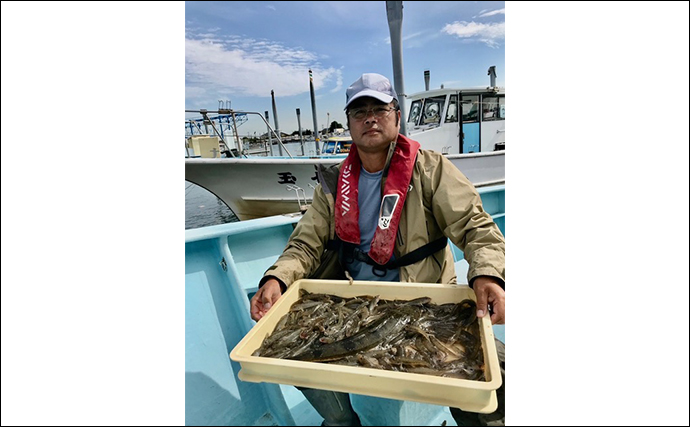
x,y
336,147
427,111
470,108
415,109
493,108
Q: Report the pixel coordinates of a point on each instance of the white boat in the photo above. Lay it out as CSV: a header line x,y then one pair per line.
x,y
259,186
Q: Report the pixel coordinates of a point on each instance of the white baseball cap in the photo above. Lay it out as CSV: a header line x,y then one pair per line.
x,y
373,85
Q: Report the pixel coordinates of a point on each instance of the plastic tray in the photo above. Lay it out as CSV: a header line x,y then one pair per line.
x,y
474,396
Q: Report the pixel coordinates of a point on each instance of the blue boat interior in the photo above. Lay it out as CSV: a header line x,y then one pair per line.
x,y
223,265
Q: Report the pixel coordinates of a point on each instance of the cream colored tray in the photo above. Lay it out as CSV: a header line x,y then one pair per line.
x,y
474,396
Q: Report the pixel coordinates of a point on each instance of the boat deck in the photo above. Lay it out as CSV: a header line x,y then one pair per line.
x,y
223,265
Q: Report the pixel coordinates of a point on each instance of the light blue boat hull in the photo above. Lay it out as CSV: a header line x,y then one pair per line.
x,y
223,265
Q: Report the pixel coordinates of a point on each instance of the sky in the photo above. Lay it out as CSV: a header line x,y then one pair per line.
x,y
597,187
241,51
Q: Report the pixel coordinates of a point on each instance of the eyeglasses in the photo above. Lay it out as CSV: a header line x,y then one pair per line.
x,y
363,113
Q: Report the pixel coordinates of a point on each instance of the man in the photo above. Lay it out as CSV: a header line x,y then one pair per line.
x,y
386,213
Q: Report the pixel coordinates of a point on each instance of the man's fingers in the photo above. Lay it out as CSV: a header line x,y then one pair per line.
x,y
264,299
499,316
255,309
481,302
267,301
498,305
488,292
269,298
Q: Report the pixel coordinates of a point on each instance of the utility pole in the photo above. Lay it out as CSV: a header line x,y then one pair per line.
x,y
395,16
299,128
313,113
268,132
275,120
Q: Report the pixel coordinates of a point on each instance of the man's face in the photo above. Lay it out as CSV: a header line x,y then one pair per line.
x,y
372,133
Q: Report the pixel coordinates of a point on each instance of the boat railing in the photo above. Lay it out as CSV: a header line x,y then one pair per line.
x,y
300,197
204,113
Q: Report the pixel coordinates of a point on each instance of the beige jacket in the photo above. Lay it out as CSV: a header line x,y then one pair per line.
x,y
440,202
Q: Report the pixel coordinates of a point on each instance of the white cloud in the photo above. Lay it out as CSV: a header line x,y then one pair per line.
x,y
252,67
411,36
416,40
194,92
492,13
490,34
338,82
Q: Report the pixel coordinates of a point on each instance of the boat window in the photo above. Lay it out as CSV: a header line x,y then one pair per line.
x,y
415,110
470,108
490,108
452,114
502,107
433,108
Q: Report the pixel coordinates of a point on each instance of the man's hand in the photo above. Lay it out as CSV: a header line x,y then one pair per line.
x,y
488,291
264,299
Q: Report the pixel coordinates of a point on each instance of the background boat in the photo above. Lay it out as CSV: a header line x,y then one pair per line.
x,y
465,124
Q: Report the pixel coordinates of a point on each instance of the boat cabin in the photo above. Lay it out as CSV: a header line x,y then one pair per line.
x,y
336,145
457,121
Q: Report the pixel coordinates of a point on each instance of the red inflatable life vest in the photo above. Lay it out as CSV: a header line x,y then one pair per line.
x,y
392,201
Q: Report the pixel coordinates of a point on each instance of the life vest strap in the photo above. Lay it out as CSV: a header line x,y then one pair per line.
x,y
351,252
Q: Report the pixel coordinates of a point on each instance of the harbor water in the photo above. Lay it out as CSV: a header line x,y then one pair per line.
x,y
203,208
